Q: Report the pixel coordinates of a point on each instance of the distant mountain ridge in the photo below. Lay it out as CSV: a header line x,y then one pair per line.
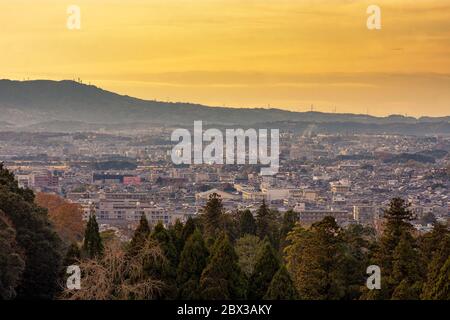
x,y
34,102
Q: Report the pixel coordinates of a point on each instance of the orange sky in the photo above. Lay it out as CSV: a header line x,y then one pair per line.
x,y
246,53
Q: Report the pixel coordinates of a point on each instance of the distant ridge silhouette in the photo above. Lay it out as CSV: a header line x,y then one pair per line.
x,y
37,101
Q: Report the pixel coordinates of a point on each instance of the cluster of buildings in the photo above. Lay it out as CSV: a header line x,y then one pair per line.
x,y
350,177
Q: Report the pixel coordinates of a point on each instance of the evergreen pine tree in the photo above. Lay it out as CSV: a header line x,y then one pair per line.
x,y
39,244
222,278
12,261
139,237
247,223
230,225
405,277
397,218
358,242
176,232
406,291
165,240
433,286
281,287
165,271
266,266
314,259
92,245
404,260
431,242
212,215
193,260
398,215
442,287
267,225
263,219
188,229
290,218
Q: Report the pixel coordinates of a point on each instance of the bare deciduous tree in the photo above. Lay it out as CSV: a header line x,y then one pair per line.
x,y
118,276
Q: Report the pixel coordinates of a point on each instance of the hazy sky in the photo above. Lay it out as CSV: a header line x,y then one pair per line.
x,y
246,53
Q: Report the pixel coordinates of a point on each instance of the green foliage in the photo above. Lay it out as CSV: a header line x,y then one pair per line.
x,y
247,224
397,224
9,184
437,285
431,242
405,277
229,225
212,215
36,238
188,229
398,215
358,242
442,286
192,262
267,224
266,266
12,261
404,258
323,261
165,240
222,278
263,219
92,245
290,218
281,287
247,249
315,258
167,269
176,232
406,291
140,236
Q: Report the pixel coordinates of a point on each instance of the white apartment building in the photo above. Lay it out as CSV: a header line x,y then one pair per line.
x,y
129,210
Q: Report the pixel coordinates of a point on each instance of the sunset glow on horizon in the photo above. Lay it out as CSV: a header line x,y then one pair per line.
x,y
260,53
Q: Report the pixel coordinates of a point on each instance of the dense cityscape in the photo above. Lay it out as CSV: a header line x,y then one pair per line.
x,y
350,177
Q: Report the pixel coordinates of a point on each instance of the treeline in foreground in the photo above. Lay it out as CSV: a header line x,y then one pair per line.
x,y
220,256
